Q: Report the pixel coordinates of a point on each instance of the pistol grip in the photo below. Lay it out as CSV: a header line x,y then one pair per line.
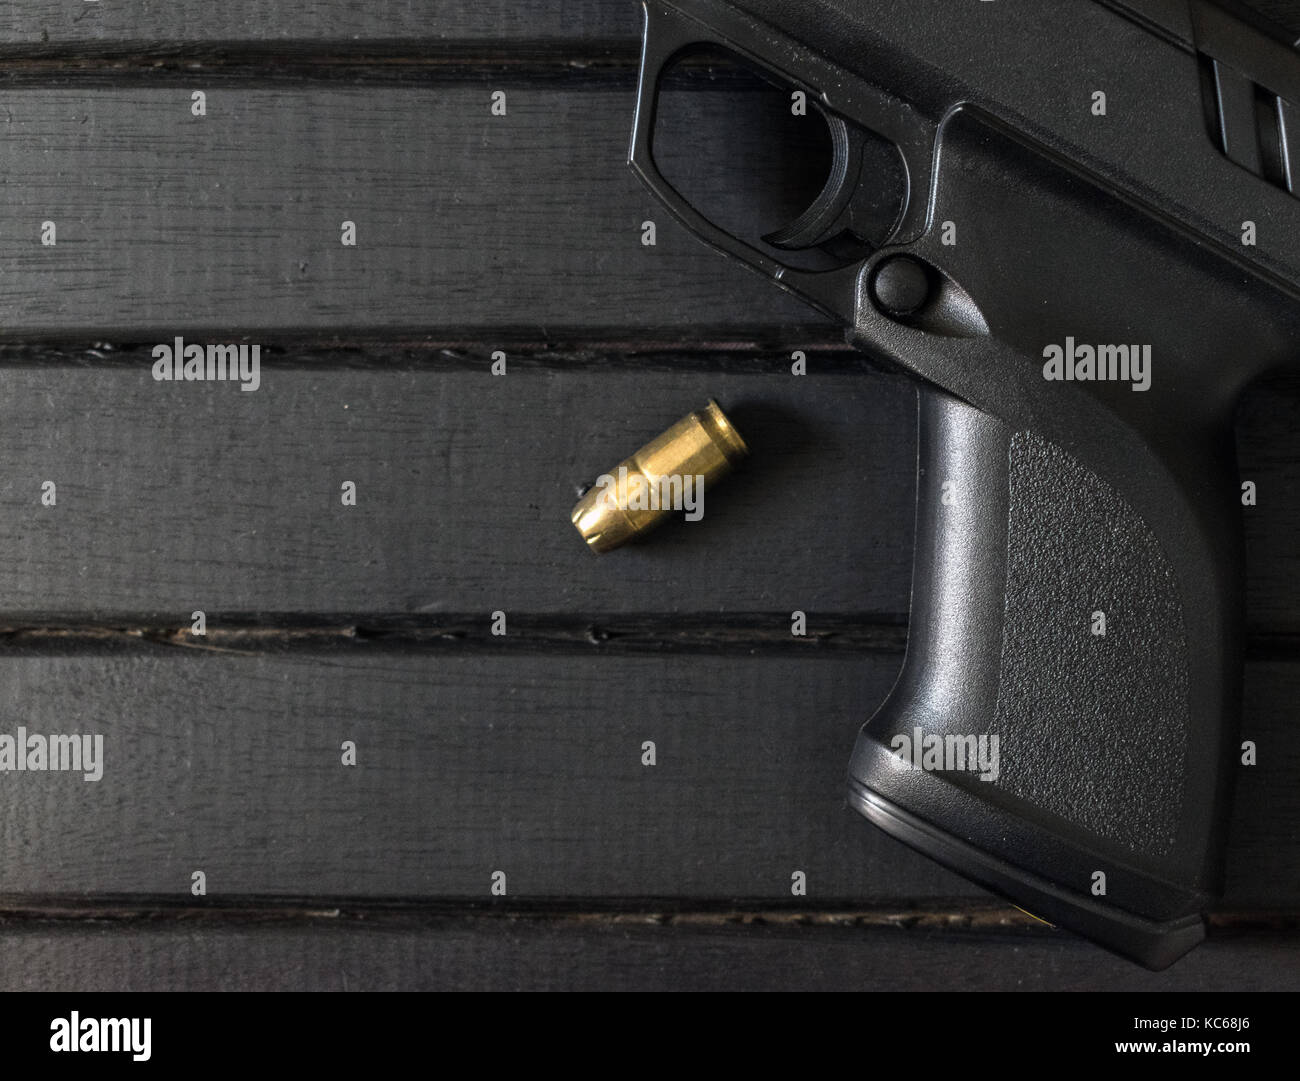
x,y
1047,613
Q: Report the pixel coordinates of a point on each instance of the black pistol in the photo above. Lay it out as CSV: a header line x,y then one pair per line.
x,y
1091,245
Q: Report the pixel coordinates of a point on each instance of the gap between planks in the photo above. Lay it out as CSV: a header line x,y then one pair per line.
x,y
621,350
747,633
953,916
608,64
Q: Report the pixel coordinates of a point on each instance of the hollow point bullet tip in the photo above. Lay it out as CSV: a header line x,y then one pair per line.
x,y
659,479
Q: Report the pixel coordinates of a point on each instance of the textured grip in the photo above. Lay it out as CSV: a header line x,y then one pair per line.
x,y
1049,679
1092,695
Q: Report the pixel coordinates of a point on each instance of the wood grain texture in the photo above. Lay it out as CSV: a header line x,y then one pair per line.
x,y
56,24
176,497
1268,422
202,496
505,954
523,754
78,25
531,764
231,224
466,765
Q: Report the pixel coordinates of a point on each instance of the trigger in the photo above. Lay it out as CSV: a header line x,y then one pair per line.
x,y
831,214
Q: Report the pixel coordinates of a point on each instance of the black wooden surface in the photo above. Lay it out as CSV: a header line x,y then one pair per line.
x,y
226,760
326,623
71,27
464,221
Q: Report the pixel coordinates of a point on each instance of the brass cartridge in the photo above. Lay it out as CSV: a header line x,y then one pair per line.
x,y
666,475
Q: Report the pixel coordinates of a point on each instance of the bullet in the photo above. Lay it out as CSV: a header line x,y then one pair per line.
x,y
668,474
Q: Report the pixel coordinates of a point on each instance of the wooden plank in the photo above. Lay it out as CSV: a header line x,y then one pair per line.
x,y
1268,420
591,954
82,25
466,764
199,496
232,223
530,764
1265,823
63,24
202,496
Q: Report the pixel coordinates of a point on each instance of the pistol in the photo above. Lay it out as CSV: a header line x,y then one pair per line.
x,y
1076,223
